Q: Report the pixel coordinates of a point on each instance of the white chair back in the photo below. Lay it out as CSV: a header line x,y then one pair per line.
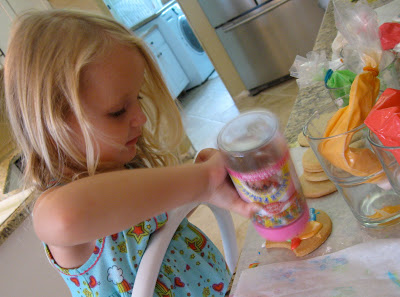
x,y
151,262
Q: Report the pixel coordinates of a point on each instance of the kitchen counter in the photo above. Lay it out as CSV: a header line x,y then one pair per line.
x,y
24,198
316,96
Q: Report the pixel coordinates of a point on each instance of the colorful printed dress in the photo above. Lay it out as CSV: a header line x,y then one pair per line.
x,y
192,265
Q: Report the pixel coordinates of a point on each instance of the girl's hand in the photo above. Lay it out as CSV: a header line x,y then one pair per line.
x,y
222,192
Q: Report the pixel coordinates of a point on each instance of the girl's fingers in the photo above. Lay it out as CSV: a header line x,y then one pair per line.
x,y
224,194
228,198
245,209
204,155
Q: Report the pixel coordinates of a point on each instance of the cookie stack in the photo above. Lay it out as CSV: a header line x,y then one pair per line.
x,y
314,182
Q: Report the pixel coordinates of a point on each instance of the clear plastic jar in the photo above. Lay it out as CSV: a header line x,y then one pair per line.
x,y
259,164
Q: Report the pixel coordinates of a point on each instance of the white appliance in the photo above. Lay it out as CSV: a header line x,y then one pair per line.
x,y
171,69
176,30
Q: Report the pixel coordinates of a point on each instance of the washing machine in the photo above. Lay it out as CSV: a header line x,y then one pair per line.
x,y
186,47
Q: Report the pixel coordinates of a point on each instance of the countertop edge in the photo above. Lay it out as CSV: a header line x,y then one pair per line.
x,y
17,217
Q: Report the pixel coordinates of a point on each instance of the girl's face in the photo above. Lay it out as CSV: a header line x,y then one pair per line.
x,y
110,96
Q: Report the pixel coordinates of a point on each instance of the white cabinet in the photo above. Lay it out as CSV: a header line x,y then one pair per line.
x,y
172,71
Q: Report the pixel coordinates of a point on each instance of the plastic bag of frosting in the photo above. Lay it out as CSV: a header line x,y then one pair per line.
x,y
309,69
384,119
390,35
359,25
338,84
312,68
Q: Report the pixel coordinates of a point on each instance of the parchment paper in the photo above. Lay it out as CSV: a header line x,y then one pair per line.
x,y
367,269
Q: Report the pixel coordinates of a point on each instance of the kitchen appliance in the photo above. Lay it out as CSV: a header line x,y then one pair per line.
x,y
263,37
183,42
171,69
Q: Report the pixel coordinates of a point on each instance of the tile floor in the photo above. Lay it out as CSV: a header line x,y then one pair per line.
x,y
206,109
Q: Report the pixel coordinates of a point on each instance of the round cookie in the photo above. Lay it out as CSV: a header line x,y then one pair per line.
x,y
302,139
310,162
316,189
306,246
315,176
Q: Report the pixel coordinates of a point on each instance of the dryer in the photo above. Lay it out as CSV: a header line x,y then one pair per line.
x,y
186,47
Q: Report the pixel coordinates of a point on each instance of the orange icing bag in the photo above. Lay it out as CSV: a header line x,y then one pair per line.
x,y
357,161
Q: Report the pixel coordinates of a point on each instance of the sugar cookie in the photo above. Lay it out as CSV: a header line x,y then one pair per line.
x,y
310,162
302,139
316,189
302,247
315,176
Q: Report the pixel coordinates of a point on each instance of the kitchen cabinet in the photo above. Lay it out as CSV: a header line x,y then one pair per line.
x,y
172,71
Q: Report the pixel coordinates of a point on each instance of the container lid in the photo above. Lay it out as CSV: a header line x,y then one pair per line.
x,y
248,131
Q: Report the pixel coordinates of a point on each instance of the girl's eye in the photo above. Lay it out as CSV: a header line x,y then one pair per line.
x,y
117,113
139,97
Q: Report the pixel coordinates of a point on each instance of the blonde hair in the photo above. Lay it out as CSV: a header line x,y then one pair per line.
x,y
44,61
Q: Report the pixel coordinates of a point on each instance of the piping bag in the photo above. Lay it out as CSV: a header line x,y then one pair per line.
x,y
384,120
359,25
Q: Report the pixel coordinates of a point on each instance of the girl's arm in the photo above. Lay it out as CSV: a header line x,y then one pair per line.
x,y
97,206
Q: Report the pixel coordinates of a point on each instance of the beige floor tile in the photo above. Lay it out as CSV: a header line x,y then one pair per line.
x,y
281,105
202,132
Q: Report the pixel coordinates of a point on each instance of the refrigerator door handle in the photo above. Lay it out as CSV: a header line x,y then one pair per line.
x,y
252,17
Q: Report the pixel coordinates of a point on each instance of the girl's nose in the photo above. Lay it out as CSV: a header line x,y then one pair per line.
x,y
138,117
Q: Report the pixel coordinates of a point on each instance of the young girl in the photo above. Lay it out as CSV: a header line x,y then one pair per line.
x,y
86,103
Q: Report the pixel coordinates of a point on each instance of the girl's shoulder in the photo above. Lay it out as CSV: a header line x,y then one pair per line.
x,y
50,192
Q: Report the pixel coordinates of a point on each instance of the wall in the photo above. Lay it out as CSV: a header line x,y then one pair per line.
x,y
97,6
213,47
6,144
25,270
21,5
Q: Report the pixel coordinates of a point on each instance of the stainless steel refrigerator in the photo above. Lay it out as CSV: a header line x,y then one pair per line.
x,y
263,37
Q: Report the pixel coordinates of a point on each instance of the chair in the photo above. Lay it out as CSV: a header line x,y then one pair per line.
x,y
151,262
